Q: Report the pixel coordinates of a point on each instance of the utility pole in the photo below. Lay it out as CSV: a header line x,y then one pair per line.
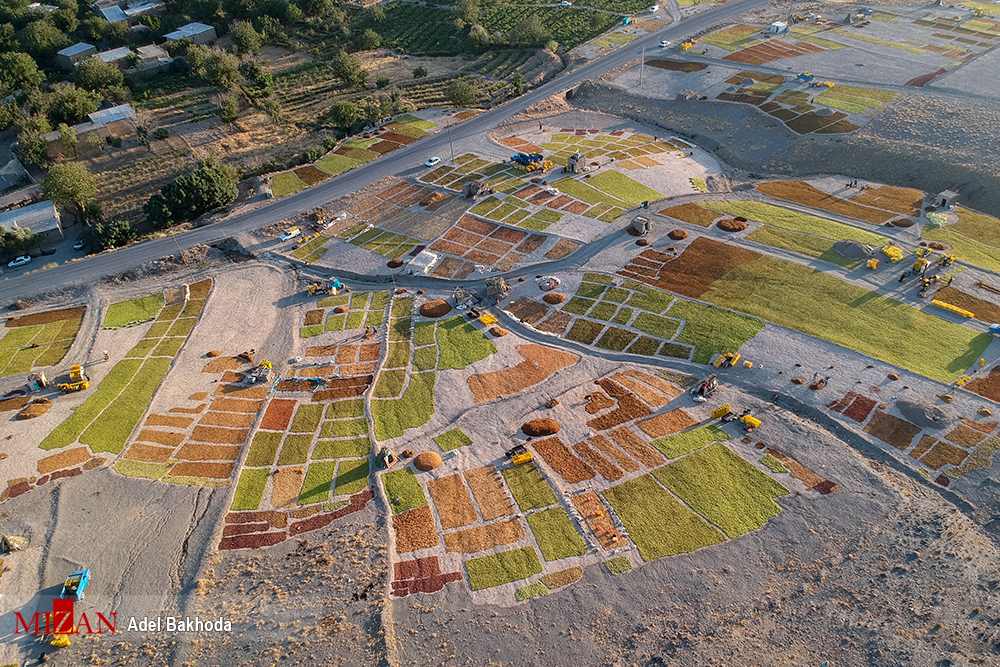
x,y
642,65
452,145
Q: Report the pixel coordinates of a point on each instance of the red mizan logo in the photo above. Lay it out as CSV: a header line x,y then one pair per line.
x,y
63,621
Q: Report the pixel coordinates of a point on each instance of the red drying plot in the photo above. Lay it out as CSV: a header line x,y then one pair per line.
x,y
422,575
357,503
253,541
560,459
841,405
279,415
228,436
629,408
892,430
608,470
860,408
691,274
275,518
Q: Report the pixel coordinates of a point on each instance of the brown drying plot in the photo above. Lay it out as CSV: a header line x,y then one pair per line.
x,y
556,323
531,244
310,175
526,310
892,430
634,445
227,436
987,387
984,310
276,519
803,193
702,263
561,249
305,512
15,403
314,317
608,470
149,453
629,408
245,528
943,453
923,446
359,369
797,470
161,437
841,405
596,515
236,405
228,419
597,401
47,317
347,354
675,66
221,364
692,213
415,530
539,363
668,388
555,580
278,415
488,489
984,427
652,396
198,396
610,450
236,391
898,200
168,420
190,452
67,459
318,371
369,352
860,408
292,385
674,421
481,538
200,289
321,350
95,462
965,436
286,486
209,470
452,502
560,459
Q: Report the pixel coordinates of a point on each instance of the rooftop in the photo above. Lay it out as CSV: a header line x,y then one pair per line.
x,y
189,30
114,55
120,112
39,218
76,49
113,14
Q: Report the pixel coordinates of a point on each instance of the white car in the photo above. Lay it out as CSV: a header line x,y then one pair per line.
x,y
551,190
291,233
664,44
79,244
433,161
20,261
653,8
565,4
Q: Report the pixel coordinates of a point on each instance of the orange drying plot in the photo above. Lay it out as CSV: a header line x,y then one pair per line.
x,y
67,459
692,213
15,403
160,437
637,447
370,352
943,453
198,396
220,365
668,388
168,420
898,200
923,446
231,376
612,452
596,515
191,452
321,350
539,363
488,490
227,436
608,470
667,423
598,401
560,459
230,419
149,453
318,371
347,354
803,193
652,396
237,391
278,415
481,538
415,530
965,436
235,405
286,486
358,369
210,470
452,502
629,408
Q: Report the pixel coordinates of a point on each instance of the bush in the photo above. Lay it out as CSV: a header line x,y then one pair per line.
x,y
382,81
210,186
419,72
463,94
115,234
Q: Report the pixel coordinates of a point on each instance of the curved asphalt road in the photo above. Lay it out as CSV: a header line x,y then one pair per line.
x,y
402,162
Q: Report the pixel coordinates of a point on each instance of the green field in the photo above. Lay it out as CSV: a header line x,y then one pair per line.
x,y
983,228
659,524
352,476
264,448
556,536
307,418
111,430
125,313
414,408
344,427
334,164
803,244
342,449
797,222
654,325
250,489
286,183
969,251
621,186
295,449
461,344
502,568
403,490
452,439
711,330
724,488
528,486
585,193
680,444
319,478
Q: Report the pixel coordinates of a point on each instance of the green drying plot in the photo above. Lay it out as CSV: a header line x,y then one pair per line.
x,y
340,300
402,307
528,486
110,387
585,193
250,489
624,316
344,427
307,418
296,449
712,330
461,344
414,408
842,104
390,383
617,295
645,346
604,311
680,444
659,524
452,439
802,244
548,215
342,449
335,323
591,290
334,164
400,329
423,333
616,340
724,488
654,325
352,477
311,247
733,38
19,337
821,305
403,490
169,347
502,568
531,591
556,536
352,407
648,298
425,359
311,331
578,306
618,565
264,448
983,228
621,186
796,222
971,252
125,313
181,327
170,313
399,355
111,430
142,469
774,463
286,183
319,478
355,319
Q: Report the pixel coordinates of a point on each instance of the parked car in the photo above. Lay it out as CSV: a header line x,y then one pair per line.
x,y
664,44
291,233
565,4
653,8
433,161
20,261
79,244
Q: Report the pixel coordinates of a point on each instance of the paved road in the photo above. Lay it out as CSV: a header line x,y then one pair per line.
x,y
16,283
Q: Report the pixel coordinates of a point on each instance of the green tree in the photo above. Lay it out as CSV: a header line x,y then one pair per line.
x,y
247,39
530,31
92,27
42,39
16,240
114,234
69,183
69,104
151,22
29,139
272,109
344,115
368,40
419,72
67,137
94,140
467,10
462,93
222,69
256,76
229,109
18,71
382,81
95,74
118,34
518,83
188,196
348,68
315,7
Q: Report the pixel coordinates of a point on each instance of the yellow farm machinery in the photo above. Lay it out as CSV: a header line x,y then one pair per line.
x,y
78,380
531,162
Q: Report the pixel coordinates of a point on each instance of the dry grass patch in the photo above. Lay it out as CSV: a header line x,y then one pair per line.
x,y
191,452
287,486
899,200
488,490
452,502
169,421
486,537
228,436
66,459
692,213
539,363
228,419
415,530
235,405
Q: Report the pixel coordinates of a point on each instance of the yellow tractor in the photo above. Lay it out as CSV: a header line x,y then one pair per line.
x,y
77,380
726,360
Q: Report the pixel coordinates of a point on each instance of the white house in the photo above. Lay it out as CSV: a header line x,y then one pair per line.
x,y
41,218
